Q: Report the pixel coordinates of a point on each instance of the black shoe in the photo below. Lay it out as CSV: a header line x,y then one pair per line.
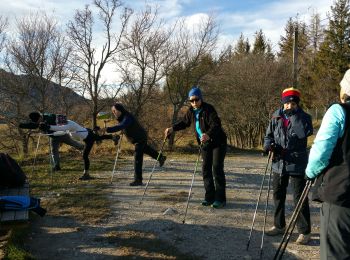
x,y
56,168
206,203
86,177
115,139
162,160
136,183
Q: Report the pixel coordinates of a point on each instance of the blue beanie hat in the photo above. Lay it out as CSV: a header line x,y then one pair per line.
x,y
195,91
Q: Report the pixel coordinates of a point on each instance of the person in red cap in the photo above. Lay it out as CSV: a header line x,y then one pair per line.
x,y
286,136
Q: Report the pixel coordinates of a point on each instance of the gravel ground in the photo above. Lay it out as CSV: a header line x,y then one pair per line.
x,y
154,229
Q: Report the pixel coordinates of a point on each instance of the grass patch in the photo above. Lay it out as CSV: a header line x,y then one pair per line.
x,y
174,197
14,244
62,194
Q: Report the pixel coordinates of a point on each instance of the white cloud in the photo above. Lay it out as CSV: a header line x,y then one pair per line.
x,y
271,17
194,21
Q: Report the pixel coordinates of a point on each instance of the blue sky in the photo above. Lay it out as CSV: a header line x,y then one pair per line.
x,y
233,16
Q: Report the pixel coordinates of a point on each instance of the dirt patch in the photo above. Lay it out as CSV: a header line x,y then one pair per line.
x,y
153,229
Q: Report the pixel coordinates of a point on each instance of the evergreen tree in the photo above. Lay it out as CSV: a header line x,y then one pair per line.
x,y
333,58
287,42
242,47
260,45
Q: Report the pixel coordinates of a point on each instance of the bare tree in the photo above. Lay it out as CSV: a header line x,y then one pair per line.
x,y
3,26
193,62
144,58
33,56
91,60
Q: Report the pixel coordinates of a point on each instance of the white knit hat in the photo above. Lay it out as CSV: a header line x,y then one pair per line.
x,y
345,83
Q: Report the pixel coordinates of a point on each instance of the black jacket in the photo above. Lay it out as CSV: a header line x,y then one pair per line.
x,y
132,129
209,123
290,154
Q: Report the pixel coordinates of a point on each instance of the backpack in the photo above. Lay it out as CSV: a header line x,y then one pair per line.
x,y
11,174
54,119
21,203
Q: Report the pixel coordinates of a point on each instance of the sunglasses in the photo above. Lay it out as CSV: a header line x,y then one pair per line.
x,y
194,100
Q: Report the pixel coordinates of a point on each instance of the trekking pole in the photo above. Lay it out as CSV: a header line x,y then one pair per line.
x,y
35,154
116,157
52,161
265,214
193,175
257,204
289,230
154,166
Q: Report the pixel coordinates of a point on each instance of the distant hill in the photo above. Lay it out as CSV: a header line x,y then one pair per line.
x,y
59,99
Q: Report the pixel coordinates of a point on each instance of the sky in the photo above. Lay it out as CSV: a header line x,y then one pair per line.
x,y
233,16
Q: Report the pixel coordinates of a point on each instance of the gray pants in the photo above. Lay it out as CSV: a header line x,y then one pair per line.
x,y
55,145
335,232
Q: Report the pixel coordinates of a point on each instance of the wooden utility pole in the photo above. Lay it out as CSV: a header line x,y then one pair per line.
x,y
295,57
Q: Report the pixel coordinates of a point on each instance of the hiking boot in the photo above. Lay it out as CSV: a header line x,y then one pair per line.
x,y
274,231
218,204
56,168
303,239
115,139
86,177
136,183
206,203
162,160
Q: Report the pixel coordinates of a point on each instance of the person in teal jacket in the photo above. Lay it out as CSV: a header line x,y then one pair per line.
x,y
329,161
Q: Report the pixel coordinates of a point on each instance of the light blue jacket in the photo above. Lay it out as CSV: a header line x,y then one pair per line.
x,y
332,128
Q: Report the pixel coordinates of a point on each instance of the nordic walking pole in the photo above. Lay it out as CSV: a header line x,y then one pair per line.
x,y
265,214
154,166
116,157
289,230
35,154
257,204
52,161
193,175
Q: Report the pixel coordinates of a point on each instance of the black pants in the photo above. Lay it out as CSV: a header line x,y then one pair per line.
x,y
280,184
213,172
89,142
335,232
140,149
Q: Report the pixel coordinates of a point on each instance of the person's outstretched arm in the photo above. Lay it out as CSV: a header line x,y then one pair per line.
x,y
127,120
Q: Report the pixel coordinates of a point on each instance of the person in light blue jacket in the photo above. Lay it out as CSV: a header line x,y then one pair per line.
x,y
329,162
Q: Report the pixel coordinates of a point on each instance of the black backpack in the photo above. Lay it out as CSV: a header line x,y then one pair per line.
x,y
11,174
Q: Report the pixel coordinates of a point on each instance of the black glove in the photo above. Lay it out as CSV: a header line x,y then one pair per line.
x,y
270,148
116,139
29,125
44,127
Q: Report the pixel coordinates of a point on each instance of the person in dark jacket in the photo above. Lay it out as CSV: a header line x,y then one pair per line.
x,y
329,161
209,133
137,135
38,120
286,136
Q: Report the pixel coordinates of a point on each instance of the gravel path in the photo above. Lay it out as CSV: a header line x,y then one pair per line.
x,y
153,229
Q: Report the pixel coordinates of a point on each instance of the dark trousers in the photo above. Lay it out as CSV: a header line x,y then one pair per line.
x,y
55,144
213,172
89,142
280,184
335,232
140,149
